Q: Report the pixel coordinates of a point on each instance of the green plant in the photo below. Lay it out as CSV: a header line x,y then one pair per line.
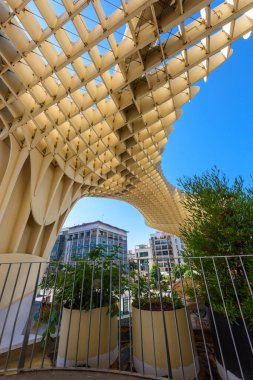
x,y
181,270
84,285
149,291
186,281
220,223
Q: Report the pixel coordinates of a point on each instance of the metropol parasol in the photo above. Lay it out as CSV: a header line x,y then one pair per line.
x,y
89,92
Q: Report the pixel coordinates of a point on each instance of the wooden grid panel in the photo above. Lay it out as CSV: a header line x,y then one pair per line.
x,y
96,86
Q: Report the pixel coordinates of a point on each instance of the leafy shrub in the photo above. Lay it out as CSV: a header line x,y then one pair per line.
x,y
219,223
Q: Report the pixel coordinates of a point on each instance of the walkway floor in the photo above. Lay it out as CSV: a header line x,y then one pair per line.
x,y
204,351
75,374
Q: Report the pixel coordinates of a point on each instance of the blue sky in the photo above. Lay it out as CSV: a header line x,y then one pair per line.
x,y
216,128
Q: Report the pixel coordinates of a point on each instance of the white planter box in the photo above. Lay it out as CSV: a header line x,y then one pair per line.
x,y
155,364
77,346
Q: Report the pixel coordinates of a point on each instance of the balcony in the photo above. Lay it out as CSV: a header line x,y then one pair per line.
x,y
101,319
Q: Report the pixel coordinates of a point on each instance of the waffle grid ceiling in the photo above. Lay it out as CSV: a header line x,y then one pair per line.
x,y
97,85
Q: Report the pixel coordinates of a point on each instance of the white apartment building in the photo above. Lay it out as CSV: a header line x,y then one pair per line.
x,y
142,255
166,249
75,242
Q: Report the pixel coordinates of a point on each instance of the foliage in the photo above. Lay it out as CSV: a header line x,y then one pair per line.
x,y
219,222
155,274
84,285
186,281
132,265
147,292
182,270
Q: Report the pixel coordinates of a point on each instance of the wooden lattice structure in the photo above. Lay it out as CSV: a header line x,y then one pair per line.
x,y
85,110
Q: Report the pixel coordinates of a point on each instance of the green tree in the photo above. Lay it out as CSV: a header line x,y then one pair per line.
x,y
155,274
181,271
219,223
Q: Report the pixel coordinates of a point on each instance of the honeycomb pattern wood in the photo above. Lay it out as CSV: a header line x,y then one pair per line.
x,y
89,92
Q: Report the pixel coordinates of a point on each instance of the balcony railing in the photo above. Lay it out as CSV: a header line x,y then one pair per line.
x,y
194,321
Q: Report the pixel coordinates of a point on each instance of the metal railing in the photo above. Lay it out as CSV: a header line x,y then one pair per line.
x,y
193,320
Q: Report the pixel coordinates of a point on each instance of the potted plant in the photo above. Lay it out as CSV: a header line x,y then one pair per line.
x,y
163,342
218,234
85,299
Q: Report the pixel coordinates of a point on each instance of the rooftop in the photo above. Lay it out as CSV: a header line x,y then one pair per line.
x,y
98,222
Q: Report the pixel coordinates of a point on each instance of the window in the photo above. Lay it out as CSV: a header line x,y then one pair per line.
x,y
143,254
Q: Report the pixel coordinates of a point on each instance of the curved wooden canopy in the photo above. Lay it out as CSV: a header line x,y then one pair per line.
x,y
89,91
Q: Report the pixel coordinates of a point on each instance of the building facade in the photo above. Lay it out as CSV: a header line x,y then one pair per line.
x,y
75,242
166,249
142,255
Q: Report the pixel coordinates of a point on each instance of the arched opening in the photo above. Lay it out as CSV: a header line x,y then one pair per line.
x,y
114,212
